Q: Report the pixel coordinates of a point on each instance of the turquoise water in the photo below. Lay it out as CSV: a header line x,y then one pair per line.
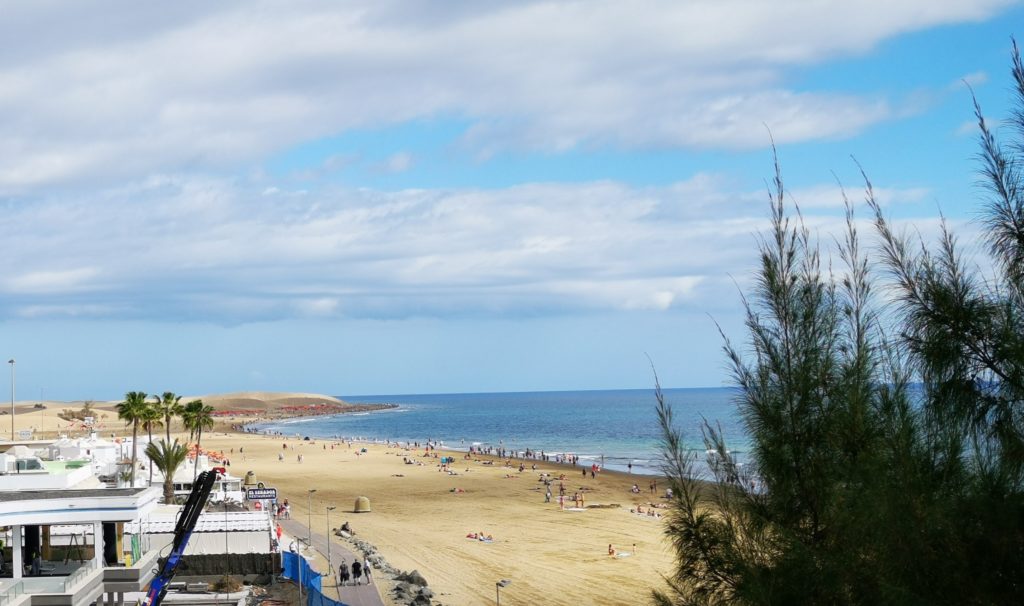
x,y
619,425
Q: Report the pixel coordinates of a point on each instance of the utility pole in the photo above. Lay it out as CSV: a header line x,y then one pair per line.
x,y
11,362
330,563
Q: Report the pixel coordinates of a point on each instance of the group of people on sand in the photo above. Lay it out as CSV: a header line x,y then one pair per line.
x,y
650,511
578,499
480,536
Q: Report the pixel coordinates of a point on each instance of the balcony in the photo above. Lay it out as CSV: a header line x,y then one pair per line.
x,y
82,586
130,578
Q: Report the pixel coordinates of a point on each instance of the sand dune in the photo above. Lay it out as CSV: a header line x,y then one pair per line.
x,y
264,400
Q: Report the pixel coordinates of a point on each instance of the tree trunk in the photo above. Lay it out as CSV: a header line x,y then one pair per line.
x,y
168,487
195,466
150,428
135,446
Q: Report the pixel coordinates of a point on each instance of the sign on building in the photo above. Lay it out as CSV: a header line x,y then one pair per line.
x,y
260,494
24,434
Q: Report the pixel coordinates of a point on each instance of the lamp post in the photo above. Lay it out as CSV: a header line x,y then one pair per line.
x,y
497,590
309,515
309,524
11,362
330,563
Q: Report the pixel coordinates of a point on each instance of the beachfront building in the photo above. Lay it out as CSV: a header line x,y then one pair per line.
x,y
79,568
62,527
226,488
216,532
103,456
64,506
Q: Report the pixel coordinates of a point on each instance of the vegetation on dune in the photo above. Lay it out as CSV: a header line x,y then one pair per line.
x,y
88,410
888,432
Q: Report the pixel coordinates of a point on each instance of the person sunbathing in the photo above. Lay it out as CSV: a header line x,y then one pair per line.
x,y
611,550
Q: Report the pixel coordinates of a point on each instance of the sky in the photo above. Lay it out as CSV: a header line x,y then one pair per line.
x,y
389,197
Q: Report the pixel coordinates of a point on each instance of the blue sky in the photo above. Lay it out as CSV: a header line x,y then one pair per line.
x,y
395,197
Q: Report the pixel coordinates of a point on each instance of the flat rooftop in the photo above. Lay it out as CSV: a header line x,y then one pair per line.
x,y
71,493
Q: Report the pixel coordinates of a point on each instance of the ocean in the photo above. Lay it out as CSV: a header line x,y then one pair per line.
x,y
616,427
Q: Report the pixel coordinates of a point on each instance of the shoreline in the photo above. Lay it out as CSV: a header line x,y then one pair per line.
x,y
639,470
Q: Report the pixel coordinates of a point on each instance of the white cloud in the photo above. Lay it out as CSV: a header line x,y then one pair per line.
x,y
397,163
832,196
216,86
53,281
973,79
225,251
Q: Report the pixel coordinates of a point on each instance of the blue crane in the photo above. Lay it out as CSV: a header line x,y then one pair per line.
x,y
187,520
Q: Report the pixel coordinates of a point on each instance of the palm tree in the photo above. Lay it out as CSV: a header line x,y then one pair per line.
x,y
132,411
170,407
197,417
167,457
151,417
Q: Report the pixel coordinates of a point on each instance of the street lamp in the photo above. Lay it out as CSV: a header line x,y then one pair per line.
x,y
11,362
497,590
330,564
309,514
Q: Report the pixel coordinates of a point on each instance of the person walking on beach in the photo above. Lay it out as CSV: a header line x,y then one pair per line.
x,y
343,573
357,572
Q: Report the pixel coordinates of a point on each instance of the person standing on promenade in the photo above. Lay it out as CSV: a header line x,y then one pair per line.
x,y
366,571
357,572
343,573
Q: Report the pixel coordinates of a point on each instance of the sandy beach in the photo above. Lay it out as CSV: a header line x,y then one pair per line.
x,y
552,556
421,517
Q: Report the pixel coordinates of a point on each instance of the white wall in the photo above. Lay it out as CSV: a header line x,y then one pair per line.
x,y
202,543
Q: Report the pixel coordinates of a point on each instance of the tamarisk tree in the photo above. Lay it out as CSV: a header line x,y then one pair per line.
x,y
887,426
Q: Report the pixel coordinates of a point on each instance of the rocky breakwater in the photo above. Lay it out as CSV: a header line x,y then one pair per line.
x,y
405,588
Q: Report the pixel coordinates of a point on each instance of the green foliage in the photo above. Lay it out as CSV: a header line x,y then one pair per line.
x,y
170,407
197,416
167,457
888,435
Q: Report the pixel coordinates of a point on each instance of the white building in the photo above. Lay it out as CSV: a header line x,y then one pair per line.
x,y
103,456
215,532
100,566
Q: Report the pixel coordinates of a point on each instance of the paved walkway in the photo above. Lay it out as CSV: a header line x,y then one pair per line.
x,y
353,595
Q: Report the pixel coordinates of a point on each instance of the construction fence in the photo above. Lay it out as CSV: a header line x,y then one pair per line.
x,y
297,569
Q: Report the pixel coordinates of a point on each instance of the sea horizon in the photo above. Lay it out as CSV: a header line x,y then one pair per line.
x,y
614,428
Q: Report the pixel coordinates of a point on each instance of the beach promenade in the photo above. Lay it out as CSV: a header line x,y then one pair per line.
x,y
353,595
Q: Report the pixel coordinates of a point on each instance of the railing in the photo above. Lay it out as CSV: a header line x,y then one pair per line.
x,y
13,592
79,575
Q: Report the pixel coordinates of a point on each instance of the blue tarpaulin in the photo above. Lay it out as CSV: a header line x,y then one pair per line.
x,y
296,567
